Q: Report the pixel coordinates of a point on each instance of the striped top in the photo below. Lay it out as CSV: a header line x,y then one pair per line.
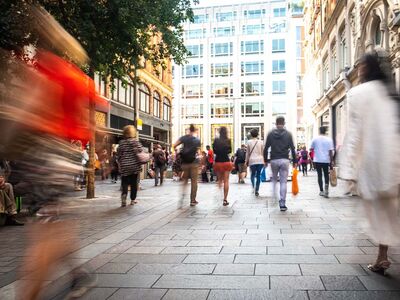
x,y
127,156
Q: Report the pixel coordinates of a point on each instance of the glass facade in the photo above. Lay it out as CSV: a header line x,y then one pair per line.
x,y
278,66
225,16
278,87
195,34
223,90
193,111
254,14
192,91
279,12
166,109
144,98
252,68
156,104
255,88
252,109
195,50
253,29
278,45
199,19
221,69
252,47
221,49
222,110
192,71
224,31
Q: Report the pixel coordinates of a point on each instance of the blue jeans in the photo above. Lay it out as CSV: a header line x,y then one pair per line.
x,y
256,175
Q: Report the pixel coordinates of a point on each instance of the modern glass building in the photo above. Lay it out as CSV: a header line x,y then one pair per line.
x,y
242,71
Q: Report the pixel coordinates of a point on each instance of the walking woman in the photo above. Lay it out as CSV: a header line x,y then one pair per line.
x,y
222,165
129,163
304,158
255,159
374,132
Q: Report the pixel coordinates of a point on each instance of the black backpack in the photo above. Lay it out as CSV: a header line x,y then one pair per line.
x,y
240,156
160,159
188,153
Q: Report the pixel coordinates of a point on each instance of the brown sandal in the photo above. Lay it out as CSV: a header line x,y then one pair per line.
x,y
380,267
193,203
226,203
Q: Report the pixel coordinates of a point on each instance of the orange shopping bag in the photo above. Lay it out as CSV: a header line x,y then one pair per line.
x,y
295,183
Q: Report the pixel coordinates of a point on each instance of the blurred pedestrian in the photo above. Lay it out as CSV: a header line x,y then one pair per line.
x,y
223,166
130,163
240,163
370,155
159,161
312,153
190,164
7,202
323,159
210,162
255,159
203,166
280,141
114,167
104,164
304,158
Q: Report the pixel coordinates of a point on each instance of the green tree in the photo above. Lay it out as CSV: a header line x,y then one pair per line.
x,y
117,34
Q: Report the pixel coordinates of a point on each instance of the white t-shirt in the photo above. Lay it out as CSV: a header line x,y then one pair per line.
x,y
322,145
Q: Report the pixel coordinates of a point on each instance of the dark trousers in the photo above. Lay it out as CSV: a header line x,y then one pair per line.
x,y
130,180
304,168
256,176
204,177
322,168
114,175
210,169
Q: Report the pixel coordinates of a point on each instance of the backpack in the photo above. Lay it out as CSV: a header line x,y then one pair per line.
x,y
160,159
188,153
240,156
304,155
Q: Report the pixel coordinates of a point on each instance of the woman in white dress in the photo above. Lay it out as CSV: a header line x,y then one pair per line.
x,y
370,156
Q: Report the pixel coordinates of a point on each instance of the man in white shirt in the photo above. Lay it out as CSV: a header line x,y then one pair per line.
x,y
323,159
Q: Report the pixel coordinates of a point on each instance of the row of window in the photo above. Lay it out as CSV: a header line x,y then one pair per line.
x,y
144,103
225,110
226,49
247,14
227,31
226,69
193,91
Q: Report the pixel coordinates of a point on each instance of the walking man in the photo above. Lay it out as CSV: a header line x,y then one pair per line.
x,y
190,164
159,161
280,141
210,162
240,162
323,159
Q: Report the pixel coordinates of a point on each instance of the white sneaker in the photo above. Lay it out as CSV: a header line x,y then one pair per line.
x,y
322,193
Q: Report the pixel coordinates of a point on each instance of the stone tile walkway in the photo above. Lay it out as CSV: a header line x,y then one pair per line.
x,y
249,250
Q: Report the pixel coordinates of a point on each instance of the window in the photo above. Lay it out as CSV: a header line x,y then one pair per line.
x,y
279,12
192,91
378,33
278,66
199,19
343,50
253,29
253,109
333,62
156,104
144,98
252,68
278,45
222,110
325,74
195,50
100,84
166,109
299,83
122,93
299,33
219,90
221,49
278,109
278,27
252,88
224,31
195,34
254,14
252,47
192,71
279,87
226,16
192,111
221,69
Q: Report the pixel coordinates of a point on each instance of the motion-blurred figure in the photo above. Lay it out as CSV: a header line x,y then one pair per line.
x,y
374,132
255,159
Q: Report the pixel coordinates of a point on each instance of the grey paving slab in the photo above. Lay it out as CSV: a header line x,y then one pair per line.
x,y
259,294
303,243
125,280
138,294
212,282
332,269
183,294
202,236
245,236
346,243
191,250
353,295
260,243
209,258
297,282
356,259
150,258
164,243
145,250
277,269
296,259
244,250
213,243
115,268
114,238
338,250
291,250
177,269
235,269
122,247
98,294
377,282
342,283
91,251
310,236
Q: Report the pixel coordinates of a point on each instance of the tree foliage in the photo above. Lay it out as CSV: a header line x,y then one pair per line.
x,y
117,34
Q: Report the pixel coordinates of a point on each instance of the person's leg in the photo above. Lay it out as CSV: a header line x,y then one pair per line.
x,y
134,186
318,166
258,177
194,172
275,170
184,175
283,175
253,171
156,175
162,175
226,186
9,200
211,172
325,169
124,186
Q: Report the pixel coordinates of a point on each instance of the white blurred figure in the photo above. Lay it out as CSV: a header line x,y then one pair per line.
x,y
370,156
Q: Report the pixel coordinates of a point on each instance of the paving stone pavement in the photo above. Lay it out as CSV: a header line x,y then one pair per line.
x,y
248,250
